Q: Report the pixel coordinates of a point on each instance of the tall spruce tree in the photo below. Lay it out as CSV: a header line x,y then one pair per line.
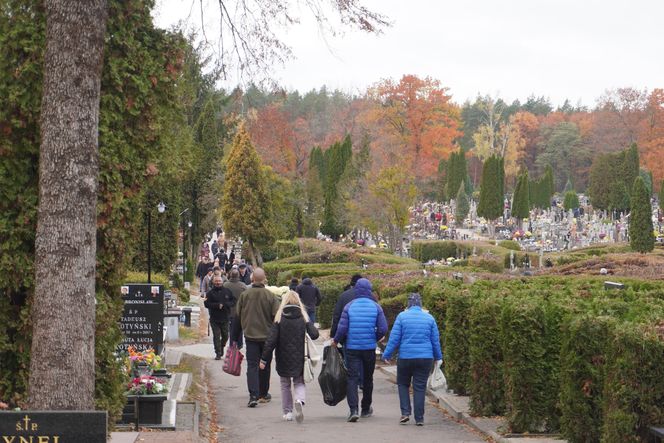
x,y
491,189
661,194
521,200
462,205
335,160
457,172
571,201
641,237
245,200
550,187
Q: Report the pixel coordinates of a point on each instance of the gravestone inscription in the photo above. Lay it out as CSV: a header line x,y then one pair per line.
x,y
142,320
53,426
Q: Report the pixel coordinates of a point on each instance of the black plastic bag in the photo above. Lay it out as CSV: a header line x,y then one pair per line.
x,y
333,377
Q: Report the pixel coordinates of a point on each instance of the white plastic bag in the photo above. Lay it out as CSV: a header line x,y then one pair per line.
x,y
311,358
437,379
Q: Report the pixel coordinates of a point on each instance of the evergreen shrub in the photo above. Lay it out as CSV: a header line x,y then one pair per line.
x,y
487,394
457,359
423,251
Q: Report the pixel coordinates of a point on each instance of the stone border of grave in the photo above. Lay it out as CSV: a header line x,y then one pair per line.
x,y
457,407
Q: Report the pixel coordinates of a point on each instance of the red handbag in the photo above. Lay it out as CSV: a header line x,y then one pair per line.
x,y
233,360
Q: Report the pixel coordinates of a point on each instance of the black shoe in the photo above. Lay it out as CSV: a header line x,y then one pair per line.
x,y
419,423
404,419
368,413
217,357
252,403
265,399
353,417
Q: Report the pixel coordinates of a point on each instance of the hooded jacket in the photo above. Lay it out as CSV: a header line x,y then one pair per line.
x,y
287,340
415,333
309,294
362,321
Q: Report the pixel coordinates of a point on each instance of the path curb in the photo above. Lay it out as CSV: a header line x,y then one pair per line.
x,y
445,401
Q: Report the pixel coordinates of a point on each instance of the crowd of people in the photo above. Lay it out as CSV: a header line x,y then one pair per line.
x,y
249,315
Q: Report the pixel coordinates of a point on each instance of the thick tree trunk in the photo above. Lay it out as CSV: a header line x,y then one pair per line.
x,y
62,368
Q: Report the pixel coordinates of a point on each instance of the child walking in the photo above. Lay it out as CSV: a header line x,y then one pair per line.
x,y
287,338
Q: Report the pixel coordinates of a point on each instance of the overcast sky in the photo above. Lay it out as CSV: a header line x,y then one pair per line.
x,y
561,49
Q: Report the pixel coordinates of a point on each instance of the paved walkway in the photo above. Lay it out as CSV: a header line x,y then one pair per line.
x,y
323,423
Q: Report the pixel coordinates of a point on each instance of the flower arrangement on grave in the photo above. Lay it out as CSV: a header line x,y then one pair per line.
x,y
141,363
146,385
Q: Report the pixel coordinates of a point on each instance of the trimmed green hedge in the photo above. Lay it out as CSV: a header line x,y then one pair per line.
x,y
571,356
487,393
423,251
510,244
457,358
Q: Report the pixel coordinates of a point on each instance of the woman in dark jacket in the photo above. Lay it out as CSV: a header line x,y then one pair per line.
x,y
287,338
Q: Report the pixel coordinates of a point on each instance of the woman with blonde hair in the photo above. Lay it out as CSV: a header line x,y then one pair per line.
x,y
287,340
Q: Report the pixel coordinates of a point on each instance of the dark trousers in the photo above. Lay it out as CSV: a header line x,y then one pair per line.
x,y
234,327
258,380
361,365
312,314
417,370
219,335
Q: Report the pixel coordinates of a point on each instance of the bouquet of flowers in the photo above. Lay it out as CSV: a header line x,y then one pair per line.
x,y
148,359
146,385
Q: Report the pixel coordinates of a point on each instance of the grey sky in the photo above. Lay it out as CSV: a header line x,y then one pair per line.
x,y
561,49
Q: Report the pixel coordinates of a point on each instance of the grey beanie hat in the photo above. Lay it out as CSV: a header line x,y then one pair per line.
x,y
414,299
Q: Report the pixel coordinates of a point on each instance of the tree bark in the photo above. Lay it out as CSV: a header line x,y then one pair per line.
x,y
62,367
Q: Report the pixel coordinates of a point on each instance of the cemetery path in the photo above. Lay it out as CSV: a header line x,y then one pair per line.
x,y
324,423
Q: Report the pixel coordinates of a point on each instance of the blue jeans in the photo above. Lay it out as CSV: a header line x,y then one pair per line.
x,y
312,314
417,370
361,364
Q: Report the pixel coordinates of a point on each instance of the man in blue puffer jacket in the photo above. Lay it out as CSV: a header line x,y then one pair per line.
x,y
362,324
415,333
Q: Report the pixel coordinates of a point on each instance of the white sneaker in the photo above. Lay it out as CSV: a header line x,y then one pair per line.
x,y
299,415
288,416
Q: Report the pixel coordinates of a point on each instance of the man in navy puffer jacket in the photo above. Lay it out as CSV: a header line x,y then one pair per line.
x,y
362,324
415,333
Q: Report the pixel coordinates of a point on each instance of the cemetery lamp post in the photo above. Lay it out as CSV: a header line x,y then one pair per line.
x,y
184,243
161,207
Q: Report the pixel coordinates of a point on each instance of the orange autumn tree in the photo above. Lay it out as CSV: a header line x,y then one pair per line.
x,y
651,137
272,134
421,119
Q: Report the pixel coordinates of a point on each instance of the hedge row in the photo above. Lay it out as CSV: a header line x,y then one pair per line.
x,y
423,251
556,354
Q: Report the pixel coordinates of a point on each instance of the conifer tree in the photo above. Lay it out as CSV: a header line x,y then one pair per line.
x,y
491,189
571,201
641,237
245,205
661,194
550,186
462,205
521,200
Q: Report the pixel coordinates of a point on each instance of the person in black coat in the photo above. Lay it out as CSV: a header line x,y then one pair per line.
x,y
245,274
346,297
310,296
287,338
219,301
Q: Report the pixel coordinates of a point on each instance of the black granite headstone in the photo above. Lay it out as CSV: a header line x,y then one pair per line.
x,y
142,322
53,427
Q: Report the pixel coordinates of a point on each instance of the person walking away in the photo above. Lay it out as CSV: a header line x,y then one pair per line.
x,y
310,296
245,275
415,334
202,270
294,283
221,255
362,324
237,288
256,310
344,298
287,340
231,260
219,301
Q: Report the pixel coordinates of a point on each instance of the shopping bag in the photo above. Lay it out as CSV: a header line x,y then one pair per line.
x,y
233,360
437,379
333,377
311,358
